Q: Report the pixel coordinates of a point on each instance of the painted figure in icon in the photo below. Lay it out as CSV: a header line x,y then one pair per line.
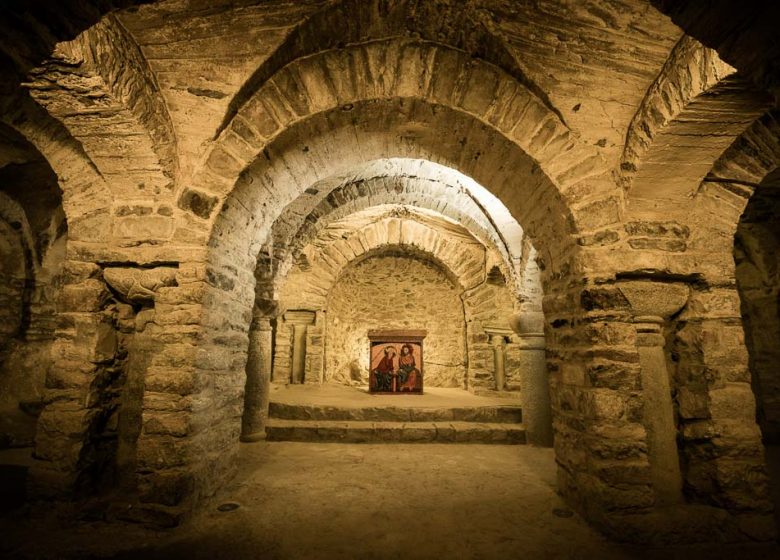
x,y
407,369
385,370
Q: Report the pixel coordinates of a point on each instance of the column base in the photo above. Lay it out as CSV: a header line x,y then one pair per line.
x,y
252,438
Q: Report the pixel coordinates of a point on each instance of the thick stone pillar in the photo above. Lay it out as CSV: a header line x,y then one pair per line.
x,y
258,378
652,303
534,384
300,321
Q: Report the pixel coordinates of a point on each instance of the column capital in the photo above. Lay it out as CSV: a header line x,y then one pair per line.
x,y
498,335
260,322
531,341
651,300
300,317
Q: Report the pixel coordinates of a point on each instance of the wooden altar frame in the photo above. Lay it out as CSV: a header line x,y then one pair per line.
x,y
379,338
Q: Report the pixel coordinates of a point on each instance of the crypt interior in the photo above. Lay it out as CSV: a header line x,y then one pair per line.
x,y
558,221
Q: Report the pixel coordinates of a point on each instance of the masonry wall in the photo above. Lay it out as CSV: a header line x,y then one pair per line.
x,y
395,292
490,305
758,278
12,276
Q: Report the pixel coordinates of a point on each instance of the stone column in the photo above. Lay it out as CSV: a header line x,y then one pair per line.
x,y
258,377
300,321
534,384
498,338
652,303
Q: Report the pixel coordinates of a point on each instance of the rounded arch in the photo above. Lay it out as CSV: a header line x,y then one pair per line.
x,y
338,140
465,267
471,298
410,183
723,194
86,199
459,25
691,113
105,62
690,70
340,109
410,74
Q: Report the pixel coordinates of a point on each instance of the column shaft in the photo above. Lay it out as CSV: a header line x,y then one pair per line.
x,y
535,390
499,368
298,353
258,375
658,416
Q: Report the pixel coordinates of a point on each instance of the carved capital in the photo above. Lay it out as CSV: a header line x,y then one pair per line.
x,y
654,299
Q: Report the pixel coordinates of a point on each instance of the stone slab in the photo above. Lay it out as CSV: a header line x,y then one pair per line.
x,y
392,432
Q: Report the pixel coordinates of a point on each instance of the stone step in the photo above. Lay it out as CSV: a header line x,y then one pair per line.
x,y
502,414
394,432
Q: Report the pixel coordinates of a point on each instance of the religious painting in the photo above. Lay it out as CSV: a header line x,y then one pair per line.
x,y
396,361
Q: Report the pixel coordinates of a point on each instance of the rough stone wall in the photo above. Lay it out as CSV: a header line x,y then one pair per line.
x,y
34,240
758,277
26,359
489,305
12,280
720,442
543,153
395,292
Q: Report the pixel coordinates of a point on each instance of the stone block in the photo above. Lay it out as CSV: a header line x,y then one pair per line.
x,y
734,401
693,402
143,228
89,295
171,424
168,487
162,452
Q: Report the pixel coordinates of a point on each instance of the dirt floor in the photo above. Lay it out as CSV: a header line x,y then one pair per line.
x,y
346,501
354,397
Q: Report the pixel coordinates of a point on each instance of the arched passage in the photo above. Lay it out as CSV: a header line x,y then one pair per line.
x,y
412,182
511,145
463,266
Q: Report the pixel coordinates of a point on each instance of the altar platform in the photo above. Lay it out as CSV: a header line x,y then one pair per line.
x,y
337,413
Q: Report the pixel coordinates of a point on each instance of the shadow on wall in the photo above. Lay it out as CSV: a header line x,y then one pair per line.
x,y
757,258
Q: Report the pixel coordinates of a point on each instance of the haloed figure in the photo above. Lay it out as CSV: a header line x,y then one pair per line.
x,y
384,371
407,369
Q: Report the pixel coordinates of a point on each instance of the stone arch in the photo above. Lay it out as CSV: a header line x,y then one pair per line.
x,y
467,273
458,25
462,258
86,198
32,221
696,97
741,168
741,188
295,228
690,70
430,75
103,67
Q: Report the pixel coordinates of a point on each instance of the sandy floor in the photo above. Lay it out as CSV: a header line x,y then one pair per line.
x,y
354,397
323,501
